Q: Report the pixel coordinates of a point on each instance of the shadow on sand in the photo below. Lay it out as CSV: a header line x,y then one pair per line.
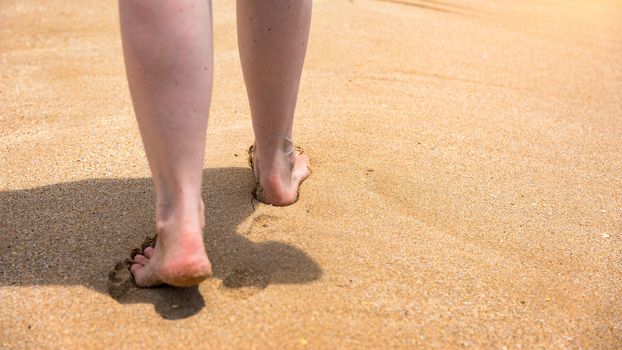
x,y
73,234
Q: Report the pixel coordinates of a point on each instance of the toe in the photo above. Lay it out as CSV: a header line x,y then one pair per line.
x,y
134,268
148,252
143,276
141,259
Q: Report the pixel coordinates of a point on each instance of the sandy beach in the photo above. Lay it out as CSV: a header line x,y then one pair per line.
x,y
466,188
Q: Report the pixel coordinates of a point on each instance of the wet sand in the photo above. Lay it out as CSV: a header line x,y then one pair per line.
x,y
466,188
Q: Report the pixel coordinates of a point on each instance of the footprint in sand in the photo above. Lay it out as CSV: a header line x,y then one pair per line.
x,y
120,279
259,225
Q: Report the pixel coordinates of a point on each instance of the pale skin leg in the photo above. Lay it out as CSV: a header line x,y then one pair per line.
x,y
168,54
272,39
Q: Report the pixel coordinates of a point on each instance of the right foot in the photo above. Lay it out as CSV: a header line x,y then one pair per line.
x,y
278,177
179,257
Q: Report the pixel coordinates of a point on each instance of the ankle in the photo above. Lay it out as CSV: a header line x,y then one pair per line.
x,y
178,212
274,148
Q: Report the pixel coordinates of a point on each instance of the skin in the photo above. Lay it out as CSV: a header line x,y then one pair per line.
x,y
272,39
168,54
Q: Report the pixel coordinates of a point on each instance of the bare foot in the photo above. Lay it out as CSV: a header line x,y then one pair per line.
x,y
278,177
179,257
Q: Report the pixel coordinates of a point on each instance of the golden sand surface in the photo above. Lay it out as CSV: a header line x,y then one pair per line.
x,y
466,188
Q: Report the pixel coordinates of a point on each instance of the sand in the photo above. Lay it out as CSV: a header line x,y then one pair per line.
x,y
466,187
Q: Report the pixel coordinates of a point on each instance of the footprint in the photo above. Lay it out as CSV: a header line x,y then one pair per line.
x,y
245,282
120,279
246,277
260,224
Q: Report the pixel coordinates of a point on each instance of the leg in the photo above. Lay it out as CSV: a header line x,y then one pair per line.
x,y
272,38
167,46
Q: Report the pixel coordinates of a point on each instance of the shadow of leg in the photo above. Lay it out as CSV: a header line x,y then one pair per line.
x,y
72,233
169,302
237,261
